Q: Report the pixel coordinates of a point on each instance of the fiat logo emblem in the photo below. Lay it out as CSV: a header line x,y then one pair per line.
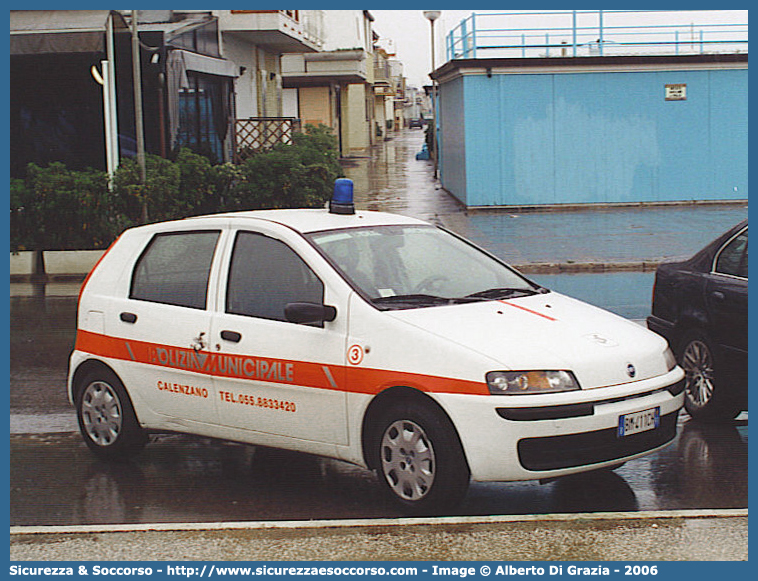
x,y
630,370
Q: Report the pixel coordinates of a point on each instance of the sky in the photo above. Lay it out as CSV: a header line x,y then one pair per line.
x,y
411,35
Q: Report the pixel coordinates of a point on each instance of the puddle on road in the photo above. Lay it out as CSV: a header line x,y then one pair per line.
x,y
54,479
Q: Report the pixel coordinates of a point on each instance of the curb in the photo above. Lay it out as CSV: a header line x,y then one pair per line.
x,y
586,267
527,268
601,206
377,522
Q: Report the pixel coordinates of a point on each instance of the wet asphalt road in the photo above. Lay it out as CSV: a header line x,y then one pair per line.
x,y
55,481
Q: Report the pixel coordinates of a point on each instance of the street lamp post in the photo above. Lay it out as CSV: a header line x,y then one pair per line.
x,y
431,16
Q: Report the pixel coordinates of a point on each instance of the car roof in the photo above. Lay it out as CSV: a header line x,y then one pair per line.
x,y
303,221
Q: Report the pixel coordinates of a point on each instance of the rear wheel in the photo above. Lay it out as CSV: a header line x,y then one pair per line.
x,y
106,417
704,394
420,459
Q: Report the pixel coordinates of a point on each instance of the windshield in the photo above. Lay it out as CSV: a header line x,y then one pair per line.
x,y
416,266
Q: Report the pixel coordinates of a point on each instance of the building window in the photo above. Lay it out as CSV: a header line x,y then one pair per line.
x,y
203,39
205,116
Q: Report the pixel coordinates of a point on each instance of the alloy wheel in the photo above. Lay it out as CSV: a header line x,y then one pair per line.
x,y
408,460
101,413
697,362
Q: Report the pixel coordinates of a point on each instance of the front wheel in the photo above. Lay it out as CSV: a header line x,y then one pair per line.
x,y
420,459
107,420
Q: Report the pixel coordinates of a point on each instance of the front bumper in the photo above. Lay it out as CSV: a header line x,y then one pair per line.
x,y
508,438
572,450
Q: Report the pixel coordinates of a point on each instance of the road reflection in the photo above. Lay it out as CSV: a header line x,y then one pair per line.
x,y
707,467
55,480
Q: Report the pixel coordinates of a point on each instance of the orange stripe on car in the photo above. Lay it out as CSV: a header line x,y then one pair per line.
x,y
252,367
523,308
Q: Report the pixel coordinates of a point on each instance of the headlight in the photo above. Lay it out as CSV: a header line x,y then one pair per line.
x,y
530,382
670,358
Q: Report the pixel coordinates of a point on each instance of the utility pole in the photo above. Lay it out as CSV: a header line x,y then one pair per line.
x,y
431,16
138,122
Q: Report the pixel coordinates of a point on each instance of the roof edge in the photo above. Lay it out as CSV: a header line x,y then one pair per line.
x,y
555,64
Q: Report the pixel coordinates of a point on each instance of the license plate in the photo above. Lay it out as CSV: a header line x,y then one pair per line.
x,y
639,422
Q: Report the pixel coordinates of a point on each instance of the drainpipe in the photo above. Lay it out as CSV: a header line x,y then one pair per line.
x,y
338,99
140,130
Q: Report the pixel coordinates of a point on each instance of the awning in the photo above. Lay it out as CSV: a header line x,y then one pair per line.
x,y
59,31
209,65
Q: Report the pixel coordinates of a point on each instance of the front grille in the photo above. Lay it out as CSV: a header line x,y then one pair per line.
x,y
553,412
557,452
563,411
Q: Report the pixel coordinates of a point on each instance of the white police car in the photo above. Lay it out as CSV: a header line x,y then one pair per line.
x,y
368,337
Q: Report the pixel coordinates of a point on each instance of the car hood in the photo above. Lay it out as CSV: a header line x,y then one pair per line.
x,y
548,331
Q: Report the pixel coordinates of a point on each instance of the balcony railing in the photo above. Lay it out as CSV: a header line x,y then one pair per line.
x,y
597,33
262,133
294,14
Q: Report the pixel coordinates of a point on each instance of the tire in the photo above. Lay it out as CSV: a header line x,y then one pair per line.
x,y
420,461
106,417
705,398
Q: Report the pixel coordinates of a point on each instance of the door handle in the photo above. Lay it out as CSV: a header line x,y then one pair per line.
x,y
232,336
128,317
718,295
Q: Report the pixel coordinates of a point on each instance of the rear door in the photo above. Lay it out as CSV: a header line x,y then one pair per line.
x,y
727,294
274,376
164,324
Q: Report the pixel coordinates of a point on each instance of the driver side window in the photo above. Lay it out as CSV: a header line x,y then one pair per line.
x,y
266,274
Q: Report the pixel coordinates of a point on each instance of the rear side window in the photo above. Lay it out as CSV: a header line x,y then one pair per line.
x,y
175,268
265,275
732,259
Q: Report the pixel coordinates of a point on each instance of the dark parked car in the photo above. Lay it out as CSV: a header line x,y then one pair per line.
x,y
700,306
415,122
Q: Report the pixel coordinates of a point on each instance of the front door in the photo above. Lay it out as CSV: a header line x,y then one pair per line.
x,y
274,376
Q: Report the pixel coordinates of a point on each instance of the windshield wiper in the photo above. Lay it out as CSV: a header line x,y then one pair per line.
x,y
413,300
504,293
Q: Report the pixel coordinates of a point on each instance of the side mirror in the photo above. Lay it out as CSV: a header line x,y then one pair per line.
x,y
304,313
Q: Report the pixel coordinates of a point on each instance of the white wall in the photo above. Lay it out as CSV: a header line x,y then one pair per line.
x,y
345,29
243,54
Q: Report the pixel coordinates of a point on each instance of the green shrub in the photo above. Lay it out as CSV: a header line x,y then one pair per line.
x,y
300,175
55,208
160,195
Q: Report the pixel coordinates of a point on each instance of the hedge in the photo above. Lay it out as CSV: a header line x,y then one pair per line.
x,y
54,208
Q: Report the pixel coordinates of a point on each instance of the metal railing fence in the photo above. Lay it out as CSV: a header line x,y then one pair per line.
x,y
595,33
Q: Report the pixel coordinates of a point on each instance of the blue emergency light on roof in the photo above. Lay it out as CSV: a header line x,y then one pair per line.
x,y
342,198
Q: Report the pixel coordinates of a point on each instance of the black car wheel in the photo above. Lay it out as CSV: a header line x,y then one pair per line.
x,y
420,459
704,395
106,417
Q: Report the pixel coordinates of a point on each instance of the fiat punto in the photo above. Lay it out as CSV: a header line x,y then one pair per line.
x,y
372,338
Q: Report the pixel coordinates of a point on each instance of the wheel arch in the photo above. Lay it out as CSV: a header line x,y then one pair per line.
x,y
86,367
690,322
387,398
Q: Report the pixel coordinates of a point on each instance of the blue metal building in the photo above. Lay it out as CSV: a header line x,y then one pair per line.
x,y
594,129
